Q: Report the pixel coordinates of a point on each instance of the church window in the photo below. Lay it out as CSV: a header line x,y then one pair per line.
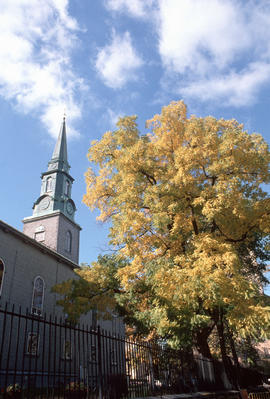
x,y
38,296
40,234
2,270
93,354
67,187
67,353
32,344
68,241
49,184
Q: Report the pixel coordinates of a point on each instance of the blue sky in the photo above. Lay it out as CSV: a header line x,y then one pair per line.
x,y
99,59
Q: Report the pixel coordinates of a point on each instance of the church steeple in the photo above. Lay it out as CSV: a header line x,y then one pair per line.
x,y
55,204
56,184
59,158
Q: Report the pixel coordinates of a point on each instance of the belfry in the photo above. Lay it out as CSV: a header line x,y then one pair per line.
x,y
52,222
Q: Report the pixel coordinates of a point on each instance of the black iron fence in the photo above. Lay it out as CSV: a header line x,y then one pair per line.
x,y
50,358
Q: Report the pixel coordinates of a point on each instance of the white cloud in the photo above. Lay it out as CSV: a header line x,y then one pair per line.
x,y
113,117
210,49
137,8
198,35
117,62
216,49
36,42
236,89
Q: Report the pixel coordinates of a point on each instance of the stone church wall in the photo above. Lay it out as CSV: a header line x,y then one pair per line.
x,y
64,226
24,260
23,263
50,225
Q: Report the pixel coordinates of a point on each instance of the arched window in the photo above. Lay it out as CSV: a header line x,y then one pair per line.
x,y
68,241
2,270
38,296
67,187
49,184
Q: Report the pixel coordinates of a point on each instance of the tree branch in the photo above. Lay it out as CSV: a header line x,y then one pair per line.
x,y
150,178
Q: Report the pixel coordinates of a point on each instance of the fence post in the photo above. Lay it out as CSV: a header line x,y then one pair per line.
x,y
99,364
151,368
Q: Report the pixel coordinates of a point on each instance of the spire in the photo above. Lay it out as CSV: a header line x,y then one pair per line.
x,y
59,158
53,211
55,193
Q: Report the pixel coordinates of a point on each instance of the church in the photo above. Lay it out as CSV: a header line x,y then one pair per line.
x,y
47,252
39,347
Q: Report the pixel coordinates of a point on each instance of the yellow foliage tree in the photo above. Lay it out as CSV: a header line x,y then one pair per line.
x,y
189,213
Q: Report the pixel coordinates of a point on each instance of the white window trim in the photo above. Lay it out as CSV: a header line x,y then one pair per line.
x,y
32,307
3,276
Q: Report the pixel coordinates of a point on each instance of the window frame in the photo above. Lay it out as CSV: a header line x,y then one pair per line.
x,y
39,236
93,353
67,187
48,186
36,313
67,354
68,241
30,336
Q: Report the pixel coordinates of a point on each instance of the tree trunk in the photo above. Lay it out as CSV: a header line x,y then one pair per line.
x,y
201,342
203,347
235,357
225,359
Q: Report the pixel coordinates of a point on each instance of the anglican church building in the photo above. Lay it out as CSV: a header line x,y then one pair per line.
x,y
47,252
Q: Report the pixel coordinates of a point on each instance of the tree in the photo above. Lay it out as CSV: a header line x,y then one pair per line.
x,y
190,221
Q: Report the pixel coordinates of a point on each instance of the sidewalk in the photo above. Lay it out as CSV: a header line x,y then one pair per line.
x,y
197,395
